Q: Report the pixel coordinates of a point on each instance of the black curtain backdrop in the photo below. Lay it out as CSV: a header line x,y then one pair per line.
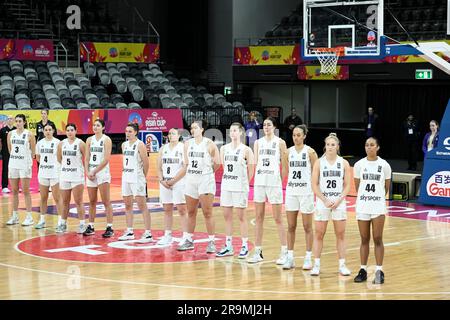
x,y
393,103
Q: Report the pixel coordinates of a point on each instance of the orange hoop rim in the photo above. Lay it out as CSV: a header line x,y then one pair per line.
x,y
338,51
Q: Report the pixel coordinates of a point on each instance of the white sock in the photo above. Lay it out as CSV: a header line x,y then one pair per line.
x,y
148,232
317,262
211,237
245,242
379,268
59,220
91,224
130,230
42,219
63,221
82,222
290,254
14,213
30,214
189,236
364,267
228,241
109,225
258,249
284,249
308,254
341,262
185,235
168,233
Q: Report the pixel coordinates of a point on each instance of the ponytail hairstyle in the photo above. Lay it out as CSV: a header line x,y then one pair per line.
x,y
24,118
334,136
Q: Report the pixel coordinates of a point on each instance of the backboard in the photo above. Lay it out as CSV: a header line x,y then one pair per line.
x,y
356,25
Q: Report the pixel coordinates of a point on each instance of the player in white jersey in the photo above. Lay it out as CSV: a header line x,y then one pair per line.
x,y
238,169
21,145
48,174
71,153
331,180
134,179
171,172
270,152
98,153
203,159
372,181
299,194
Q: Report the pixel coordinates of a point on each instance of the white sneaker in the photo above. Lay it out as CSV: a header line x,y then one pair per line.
x,y
289,264
126,236
282,259
5,190
257,257
164,241
307,264
61,228
13,220
315,271
343,270
40,225
81,228
28,221
146,238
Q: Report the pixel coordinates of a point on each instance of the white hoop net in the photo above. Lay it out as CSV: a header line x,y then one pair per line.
x,y
328,58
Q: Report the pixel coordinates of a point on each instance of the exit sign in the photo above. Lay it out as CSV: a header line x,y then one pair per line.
x,y
424,74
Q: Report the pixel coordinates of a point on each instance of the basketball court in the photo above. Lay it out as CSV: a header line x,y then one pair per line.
x,y
40,264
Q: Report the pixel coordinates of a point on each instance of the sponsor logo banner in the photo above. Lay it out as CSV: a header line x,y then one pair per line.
x,y
120,52
35,50
115,120
266,55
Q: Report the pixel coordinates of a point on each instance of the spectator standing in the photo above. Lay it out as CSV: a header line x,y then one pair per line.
x,y
431,139
289,124
370,121
252,128
411,135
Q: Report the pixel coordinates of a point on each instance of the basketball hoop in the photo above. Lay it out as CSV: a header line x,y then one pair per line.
x,y
328,58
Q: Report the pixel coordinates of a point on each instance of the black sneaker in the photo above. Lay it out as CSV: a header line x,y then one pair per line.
x,y
361,277
379,277
89,231
109,232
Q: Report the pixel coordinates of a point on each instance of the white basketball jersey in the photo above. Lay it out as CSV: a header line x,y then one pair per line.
x,y
20,157
331,180
299,180
199,160
172,161
48,165
235,175
72,161
371,193
97,155
268,166
133,167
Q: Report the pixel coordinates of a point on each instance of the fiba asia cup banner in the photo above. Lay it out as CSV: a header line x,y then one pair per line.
x,y
120,52
266,55
34,50
435,187
115,120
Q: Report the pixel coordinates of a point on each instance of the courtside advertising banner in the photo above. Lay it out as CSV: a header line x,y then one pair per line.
x,y
115,120
34,50
119,52
435,187
153,140
266,55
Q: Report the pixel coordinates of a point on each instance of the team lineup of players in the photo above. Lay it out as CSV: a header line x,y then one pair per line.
x,y
316,187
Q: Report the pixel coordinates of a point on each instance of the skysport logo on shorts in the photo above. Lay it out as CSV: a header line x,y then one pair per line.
x,y
439,184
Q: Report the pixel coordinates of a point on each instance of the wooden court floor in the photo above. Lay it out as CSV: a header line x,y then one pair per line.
x,y
417,264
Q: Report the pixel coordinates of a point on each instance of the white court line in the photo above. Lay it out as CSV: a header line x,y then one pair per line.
x,y
222,289
239,290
